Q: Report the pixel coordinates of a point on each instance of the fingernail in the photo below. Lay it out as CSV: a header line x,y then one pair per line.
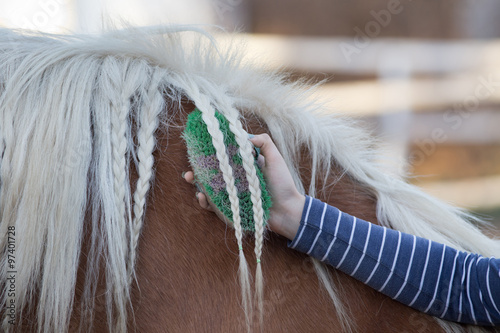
x,y
257,152
250,136
183,174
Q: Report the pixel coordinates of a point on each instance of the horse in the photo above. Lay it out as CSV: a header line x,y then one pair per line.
x,y
100,233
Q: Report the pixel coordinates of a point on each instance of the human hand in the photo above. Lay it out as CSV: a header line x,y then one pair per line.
x,y
287,202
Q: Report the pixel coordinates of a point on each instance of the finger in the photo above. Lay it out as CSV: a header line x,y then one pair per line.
x,y
266,145
189,177
202,200
255,150
261,161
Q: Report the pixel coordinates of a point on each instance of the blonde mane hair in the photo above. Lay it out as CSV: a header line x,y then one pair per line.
x,y
68,105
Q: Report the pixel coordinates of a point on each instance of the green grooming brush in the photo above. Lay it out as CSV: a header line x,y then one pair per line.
x,y
203,159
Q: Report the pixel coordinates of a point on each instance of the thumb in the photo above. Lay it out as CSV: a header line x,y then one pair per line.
x,y
266,145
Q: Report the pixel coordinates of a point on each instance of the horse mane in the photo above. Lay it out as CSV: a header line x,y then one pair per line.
x,y
75,109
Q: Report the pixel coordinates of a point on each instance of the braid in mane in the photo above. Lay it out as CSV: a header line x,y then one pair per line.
x,y
245,150
202,101
119,115
147,124
122,80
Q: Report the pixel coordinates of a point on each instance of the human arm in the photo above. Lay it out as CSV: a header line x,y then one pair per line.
x,y
428,276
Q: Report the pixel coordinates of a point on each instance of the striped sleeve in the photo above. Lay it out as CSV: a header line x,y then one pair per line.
x,y
428,276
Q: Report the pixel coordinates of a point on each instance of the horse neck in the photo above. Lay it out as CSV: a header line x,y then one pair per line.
x,y
187,260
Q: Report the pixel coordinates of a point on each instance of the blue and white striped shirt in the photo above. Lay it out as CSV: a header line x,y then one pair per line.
x,y
426,275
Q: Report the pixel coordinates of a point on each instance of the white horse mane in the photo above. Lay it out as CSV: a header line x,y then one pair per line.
x,y
66,104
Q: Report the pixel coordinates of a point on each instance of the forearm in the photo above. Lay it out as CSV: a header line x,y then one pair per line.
x,y
425,275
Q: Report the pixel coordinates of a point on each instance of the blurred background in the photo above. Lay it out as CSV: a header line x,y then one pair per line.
x,y
423,75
